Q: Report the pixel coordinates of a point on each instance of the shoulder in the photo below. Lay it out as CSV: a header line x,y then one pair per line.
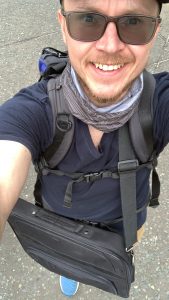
x,y
161,77
162,82
161,94
29,101
31,95
37,92
27,118
161,111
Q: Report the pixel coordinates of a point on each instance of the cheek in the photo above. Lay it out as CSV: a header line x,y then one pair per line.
x,y
74,54
78,52
141,54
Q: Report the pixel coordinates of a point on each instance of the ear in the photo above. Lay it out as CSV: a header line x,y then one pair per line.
x,y
155,36
157,30
62,23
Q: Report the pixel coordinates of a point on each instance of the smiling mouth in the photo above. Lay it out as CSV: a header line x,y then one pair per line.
x,y
106,68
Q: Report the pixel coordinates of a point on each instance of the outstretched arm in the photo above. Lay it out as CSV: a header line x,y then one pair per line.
x,y
15,160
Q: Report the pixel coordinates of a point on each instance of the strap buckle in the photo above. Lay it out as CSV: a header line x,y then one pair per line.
x,y
128,165
131,251
91,177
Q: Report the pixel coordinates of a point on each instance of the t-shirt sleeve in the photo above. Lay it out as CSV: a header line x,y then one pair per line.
x,y
161,111
27,119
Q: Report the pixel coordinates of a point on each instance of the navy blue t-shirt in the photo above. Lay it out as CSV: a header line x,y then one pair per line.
x,y
27,118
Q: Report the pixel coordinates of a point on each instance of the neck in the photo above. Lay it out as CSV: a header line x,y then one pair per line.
x,y
96,136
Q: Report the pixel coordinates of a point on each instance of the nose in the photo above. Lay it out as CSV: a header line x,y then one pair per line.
x,y
110,41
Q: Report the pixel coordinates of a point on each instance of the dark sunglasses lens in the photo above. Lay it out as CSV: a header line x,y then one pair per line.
x,y
86,27
136,30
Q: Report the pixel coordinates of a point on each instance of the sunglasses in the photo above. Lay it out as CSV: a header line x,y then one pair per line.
x,y
131,29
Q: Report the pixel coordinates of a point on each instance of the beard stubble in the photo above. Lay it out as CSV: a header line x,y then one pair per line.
x,y
106,59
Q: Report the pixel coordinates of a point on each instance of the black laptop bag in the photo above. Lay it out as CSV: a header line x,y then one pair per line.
x,y
71,248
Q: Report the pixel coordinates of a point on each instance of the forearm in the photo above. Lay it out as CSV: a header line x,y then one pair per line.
x,y
7,202
9,193
15,160
2,226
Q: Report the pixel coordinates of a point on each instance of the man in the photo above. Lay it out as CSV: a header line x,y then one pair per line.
x,y
107,61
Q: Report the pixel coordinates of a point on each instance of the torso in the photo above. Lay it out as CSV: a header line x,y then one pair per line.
x,y
30,124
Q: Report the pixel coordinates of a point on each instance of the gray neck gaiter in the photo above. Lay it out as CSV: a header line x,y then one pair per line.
x,y
81,107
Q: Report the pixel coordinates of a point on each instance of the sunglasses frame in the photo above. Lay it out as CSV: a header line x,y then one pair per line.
x,y
157,20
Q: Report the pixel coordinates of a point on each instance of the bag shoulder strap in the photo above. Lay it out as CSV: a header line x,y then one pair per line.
x,y
136,140
127,167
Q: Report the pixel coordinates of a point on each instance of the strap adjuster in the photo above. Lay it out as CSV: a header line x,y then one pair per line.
x,y
63,123
41,165
91,177
128,165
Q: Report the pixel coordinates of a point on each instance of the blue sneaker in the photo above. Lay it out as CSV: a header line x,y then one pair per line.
x,y
68,286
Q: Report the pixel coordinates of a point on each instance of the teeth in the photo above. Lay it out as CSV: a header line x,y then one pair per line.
x,y
108,67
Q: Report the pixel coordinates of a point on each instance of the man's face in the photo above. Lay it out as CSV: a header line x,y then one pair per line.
x,y
107,67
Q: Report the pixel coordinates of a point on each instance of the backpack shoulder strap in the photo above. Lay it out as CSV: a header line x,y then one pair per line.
x,y
141,133
63,124
141,123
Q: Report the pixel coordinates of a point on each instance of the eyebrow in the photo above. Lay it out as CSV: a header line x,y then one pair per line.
x,y
136,12
82,4
81,1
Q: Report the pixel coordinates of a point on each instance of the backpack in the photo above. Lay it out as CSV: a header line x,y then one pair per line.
x,y
136,148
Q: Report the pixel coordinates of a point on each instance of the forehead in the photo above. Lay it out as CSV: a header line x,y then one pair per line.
x,y
142,6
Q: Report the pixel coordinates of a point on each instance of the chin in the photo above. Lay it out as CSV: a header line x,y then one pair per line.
x,y
105,98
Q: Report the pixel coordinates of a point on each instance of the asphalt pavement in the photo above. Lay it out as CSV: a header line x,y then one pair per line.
x,y
25,28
